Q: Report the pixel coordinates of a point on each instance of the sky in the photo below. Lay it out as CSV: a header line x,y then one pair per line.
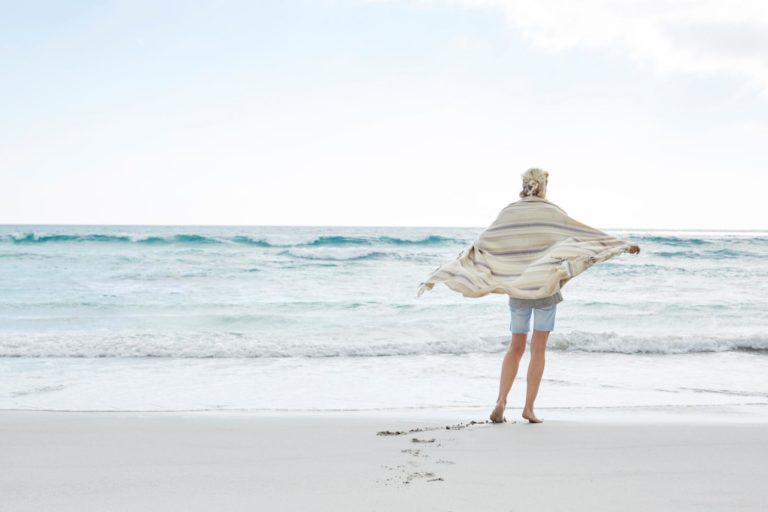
x,y
647,114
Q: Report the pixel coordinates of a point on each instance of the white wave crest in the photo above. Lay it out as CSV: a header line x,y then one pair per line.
x,y
339,253
631,344
239,345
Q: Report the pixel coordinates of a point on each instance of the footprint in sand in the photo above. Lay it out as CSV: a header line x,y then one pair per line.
x,y
429,476
418,453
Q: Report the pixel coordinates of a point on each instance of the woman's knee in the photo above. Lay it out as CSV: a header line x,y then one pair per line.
x,y
539,342
517,347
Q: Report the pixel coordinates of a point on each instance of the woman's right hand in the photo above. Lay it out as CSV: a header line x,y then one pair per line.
x,y
633,249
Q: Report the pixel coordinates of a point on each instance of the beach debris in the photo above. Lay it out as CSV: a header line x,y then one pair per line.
x,y
458,426
391,433
461,426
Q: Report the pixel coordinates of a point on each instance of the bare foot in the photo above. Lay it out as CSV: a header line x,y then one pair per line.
x,y
531,417
497,416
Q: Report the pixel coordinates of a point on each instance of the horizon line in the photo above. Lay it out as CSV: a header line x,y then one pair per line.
x,y
352,226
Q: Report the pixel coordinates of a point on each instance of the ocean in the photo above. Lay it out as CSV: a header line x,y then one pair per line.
x,y
132,318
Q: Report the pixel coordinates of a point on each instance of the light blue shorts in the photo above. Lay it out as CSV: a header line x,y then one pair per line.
x,y
543,318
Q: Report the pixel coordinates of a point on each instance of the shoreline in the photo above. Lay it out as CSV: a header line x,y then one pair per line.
x,y
571,380
756,412
681,458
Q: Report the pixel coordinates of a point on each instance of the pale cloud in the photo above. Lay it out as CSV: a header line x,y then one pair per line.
x,y
688,36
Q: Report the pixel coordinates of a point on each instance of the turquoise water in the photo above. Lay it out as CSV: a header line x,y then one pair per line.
x,y
170,301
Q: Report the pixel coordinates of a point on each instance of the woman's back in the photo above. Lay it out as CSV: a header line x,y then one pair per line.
x,y
530,251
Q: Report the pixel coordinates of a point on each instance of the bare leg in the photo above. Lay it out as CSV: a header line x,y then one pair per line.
x,y
535,371
508,373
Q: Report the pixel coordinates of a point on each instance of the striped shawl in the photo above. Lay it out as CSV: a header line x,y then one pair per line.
x,y
531,251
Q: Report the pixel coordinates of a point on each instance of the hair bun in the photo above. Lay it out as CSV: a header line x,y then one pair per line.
x,y
534,183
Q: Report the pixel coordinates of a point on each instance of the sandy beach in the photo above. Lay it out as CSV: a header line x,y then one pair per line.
x,y
681,458
278,256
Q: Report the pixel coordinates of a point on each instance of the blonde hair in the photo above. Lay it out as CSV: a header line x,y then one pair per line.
x,y
534,183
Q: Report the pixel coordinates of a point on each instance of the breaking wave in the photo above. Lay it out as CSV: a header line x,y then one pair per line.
x,y
242,345
192,238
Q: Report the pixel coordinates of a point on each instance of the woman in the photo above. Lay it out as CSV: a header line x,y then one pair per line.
x,y
530,252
